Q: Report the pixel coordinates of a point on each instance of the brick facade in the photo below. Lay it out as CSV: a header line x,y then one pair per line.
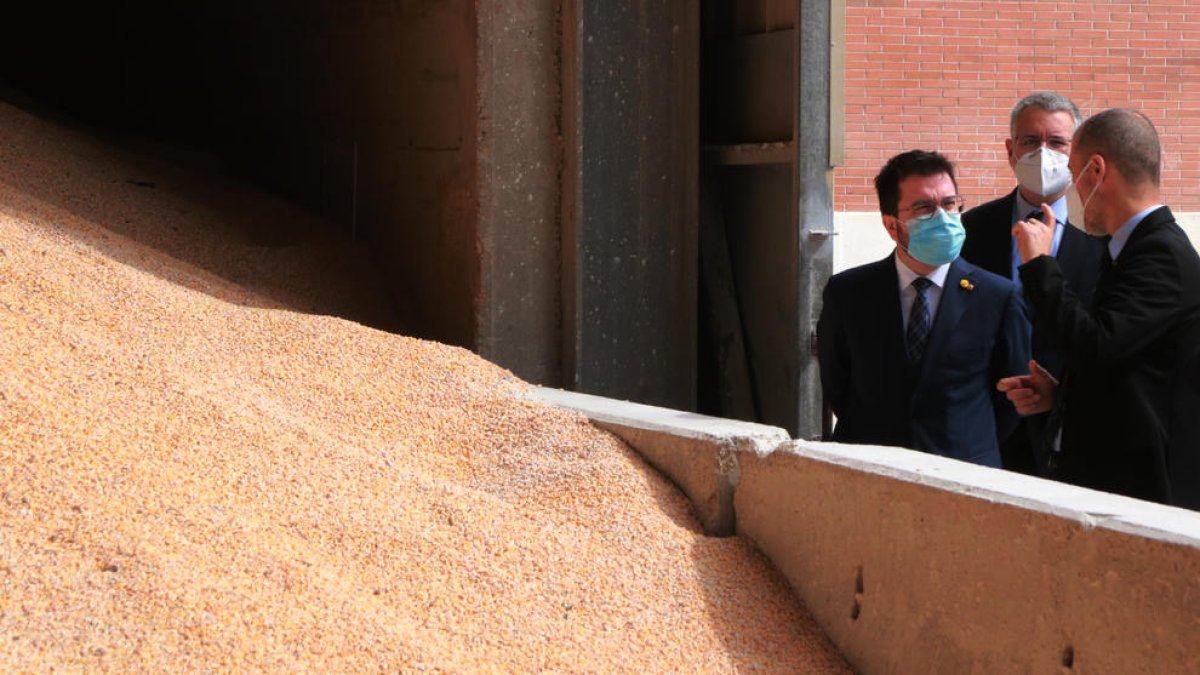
x,y
944,74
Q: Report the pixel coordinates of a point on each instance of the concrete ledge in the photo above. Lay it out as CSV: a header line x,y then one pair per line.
x,y
913,563
698,453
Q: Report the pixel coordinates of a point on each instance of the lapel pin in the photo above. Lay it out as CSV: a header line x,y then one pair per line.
x,y
967,285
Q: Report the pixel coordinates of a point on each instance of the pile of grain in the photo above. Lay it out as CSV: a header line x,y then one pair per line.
x,y
194,476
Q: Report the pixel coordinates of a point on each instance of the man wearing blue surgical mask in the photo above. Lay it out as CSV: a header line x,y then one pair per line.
x,y
1041,126
910,347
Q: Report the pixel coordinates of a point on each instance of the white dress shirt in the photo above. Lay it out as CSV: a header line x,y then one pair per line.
x,y
1122,234
907,293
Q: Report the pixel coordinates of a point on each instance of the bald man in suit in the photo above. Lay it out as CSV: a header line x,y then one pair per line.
x,y
1128,401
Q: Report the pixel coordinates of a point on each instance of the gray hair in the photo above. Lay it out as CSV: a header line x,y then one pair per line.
x,y
1127,139
1048,101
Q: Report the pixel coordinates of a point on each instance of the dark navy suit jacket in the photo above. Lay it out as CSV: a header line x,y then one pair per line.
x,y
989,245
1129,400
948,405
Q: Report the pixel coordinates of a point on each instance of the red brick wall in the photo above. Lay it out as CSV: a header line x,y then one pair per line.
x,y
944,75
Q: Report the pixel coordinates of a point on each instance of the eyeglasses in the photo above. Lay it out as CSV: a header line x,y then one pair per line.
x,y
924,209
1033,142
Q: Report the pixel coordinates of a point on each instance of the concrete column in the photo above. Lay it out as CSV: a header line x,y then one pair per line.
x,y
518,304
629,204
814,201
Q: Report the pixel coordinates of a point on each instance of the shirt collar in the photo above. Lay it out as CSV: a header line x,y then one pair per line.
x,y
1022,208
937,276
1121,236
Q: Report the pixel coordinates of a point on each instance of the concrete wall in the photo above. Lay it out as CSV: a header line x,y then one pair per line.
x,y
630,128
519,302
525,173
365,111
913,563
362,110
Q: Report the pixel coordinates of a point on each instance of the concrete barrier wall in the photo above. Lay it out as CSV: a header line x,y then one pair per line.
x,y
700,454
913,563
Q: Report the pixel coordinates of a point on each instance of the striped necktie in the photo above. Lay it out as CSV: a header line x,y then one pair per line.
x,y
919,321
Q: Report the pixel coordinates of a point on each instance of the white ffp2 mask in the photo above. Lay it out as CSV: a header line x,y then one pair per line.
x,y
1077,203
1043,171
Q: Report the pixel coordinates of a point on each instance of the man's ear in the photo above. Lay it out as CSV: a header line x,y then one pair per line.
x,y
1008,148
891,224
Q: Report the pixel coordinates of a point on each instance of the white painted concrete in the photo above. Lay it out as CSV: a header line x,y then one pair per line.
x,y
914,563
1089,507
918,564
759,438
861,238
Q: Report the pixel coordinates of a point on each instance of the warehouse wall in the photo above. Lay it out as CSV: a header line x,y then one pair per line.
x,y
524,173
939,75
361,110
431,128
364,111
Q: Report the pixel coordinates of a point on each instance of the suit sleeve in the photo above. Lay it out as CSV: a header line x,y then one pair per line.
x,y
831,350
1010,357
1140,302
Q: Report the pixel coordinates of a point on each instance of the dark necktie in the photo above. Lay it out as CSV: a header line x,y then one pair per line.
x,y
1106,272
1016,253
919,321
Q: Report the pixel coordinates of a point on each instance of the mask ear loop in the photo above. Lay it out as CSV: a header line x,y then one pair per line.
x,y
1085,168
1084,203
896,231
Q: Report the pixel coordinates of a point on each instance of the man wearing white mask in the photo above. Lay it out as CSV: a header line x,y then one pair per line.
x,y
1040,128
1128,403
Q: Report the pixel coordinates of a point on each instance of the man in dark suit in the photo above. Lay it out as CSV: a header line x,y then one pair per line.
x,y
911,347
1040,129
1128,401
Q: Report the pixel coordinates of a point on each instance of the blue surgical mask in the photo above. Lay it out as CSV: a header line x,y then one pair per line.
x,y
936,239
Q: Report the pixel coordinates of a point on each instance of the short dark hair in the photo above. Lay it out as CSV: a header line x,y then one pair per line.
x,y
1126,139
911,163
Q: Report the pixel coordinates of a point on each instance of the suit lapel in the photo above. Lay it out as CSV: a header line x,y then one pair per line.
x,y
1104,278
1003,245
1108,267
954,302
888,284
1151,222
1071,246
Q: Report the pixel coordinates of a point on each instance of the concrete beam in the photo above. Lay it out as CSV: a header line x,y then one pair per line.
x,y
814,202
914,563
700,454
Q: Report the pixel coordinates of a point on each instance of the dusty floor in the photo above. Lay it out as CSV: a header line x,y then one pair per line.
x,y
200,469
